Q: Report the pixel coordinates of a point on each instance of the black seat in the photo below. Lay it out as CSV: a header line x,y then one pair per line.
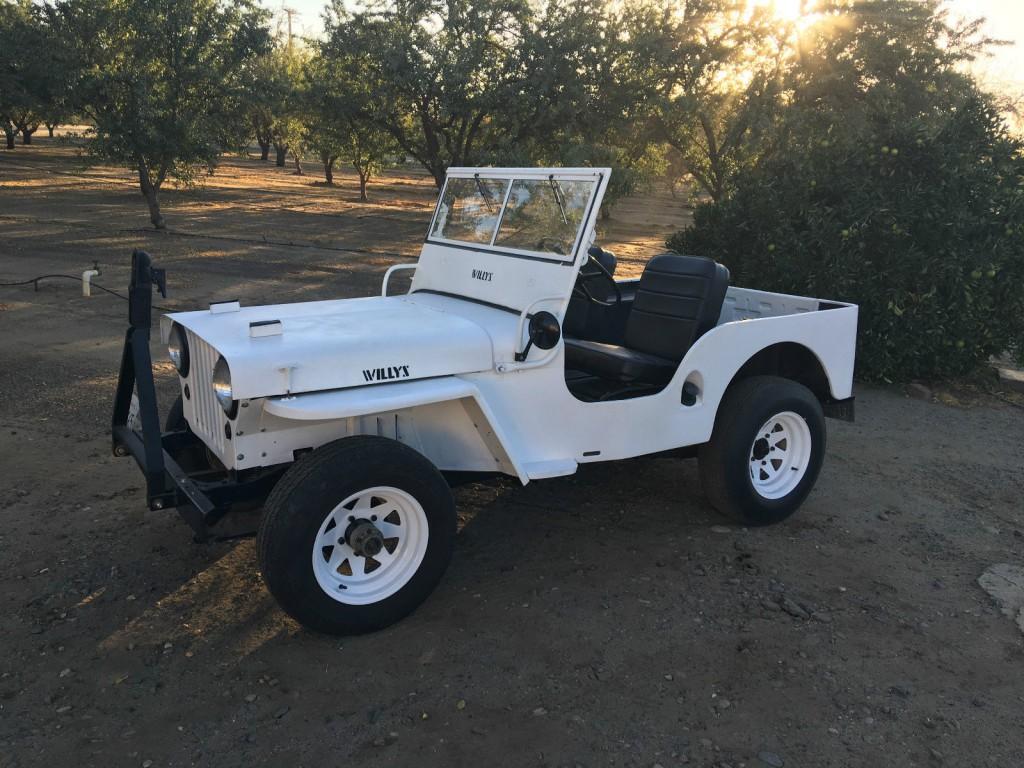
x,y
679,299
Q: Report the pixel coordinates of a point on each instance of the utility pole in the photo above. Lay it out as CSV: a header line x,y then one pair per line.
x,y
289,12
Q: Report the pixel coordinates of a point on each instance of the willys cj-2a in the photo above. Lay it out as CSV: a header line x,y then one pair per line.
x,y
515,351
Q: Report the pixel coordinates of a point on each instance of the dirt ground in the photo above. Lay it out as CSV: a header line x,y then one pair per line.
x,y
607,619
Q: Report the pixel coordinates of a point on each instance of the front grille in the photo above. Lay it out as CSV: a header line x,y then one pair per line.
x,y
207,417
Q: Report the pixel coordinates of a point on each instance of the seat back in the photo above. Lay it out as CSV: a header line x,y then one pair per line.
x,y
679,299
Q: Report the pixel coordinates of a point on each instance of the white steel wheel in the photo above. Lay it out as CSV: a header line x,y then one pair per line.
x,y
765,451
370,545
780,455
356,535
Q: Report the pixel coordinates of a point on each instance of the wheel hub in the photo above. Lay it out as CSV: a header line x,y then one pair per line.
x,y
364,538
370,545
761,448
780,455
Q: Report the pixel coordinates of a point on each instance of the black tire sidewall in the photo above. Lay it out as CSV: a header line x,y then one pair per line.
x,y
772,400
294,518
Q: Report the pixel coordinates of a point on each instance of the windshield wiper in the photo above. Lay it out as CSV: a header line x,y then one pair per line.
x,y
488,200
556,190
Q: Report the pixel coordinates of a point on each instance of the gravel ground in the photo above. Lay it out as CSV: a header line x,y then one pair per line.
x,y
607,619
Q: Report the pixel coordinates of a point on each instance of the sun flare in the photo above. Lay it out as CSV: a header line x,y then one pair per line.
x,y
794,13
787,10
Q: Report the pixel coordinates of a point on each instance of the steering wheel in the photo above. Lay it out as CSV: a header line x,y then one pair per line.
x,y
581,289
556,245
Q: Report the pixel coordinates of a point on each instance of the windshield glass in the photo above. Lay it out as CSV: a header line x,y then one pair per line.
x,y
536,215
469,209
544,215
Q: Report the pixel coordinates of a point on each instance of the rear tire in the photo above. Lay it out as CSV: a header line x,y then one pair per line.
x,y
766,450
327,514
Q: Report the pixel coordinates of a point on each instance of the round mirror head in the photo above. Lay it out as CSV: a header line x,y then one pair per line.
x,y
544,330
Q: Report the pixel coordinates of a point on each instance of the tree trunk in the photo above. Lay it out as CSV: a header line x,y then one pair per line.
x,y
9,133
282,155
49,128
328,169
149,191
26,135
264,150
363,178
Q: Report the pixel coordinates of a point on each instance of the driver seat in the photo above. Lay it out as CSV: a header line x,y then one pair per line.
x,y
678,300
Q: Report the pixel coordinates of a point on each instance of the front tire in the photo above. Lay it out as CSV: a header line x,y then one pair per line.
x,y
766,450
356,535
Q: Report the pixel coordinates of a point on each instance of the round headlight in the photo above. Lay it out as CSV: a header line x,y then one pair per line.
x,y
177,349
222,387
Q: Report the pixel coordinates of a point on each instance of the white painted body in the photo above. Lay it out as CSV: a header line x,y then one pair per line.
x,y
436,368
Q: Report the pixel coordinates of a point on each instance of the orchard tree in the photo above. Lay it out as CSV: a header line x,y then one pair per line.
x,y
265,88
369,150
456,82
443,72
30,78
717,73
9,81
161,83
344,121
325,102
287,111
584,92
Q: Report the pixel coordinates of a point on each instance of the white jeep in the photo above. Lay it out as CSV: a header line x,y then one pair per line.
x,y
516,351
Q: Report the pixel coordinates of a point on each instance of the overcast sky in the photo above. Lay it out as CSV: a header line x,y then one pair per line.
x,y
1005,20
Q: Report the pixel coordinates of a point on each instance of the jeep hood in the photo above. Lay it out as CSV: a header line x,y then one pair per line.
x,y
320,345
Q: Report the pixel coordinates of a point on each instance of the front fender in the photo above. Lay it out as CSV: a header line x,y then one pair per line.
x,y
333,405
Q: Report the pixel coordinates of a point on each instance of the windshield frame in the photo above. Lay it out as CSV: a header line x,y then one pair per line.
x,y
511,175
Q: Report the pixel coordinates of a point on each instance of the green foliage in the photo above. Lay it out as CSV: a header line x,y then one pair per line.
x,y
894,185
161,81
344,120
440,73
630,174
34,84
918,224
466,81
269,88
288,126
719,70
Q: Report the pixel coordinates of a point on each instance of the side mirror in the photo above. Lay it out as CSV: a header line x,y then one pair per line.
x,y
543,331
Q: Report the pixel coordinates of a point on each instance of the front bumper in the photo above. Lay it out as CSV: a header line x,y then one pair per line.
x,y
202,498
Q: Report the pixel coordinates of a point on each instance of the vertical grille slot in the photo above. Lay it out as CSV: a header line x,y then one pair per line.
x,y
207,416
